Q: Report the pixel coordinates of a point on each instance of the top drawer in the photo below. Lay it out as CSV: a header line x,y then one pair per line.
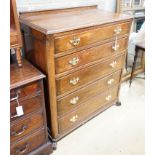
x,y
78,39
25,92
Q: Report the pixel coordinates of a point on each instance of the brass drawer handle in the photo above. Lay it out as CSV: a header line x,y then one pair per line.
x,y
23,150
118,30
15,98
74,100
110,81
18,133
74,61
115,47
113,64
74,81
75,41
108,98
14,116
73,119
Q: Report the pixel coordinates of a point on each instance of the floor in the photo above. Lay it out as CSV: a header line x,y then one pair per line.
x,y
117,131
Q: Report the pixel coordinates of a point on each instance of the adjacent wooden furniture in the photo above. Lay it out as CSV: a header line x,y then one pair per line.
x,y
82,52
136,9
28,131
15,34
137,50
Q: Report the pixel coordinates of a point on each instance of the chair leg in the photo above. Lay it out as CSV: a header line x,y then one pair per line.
x,y
126,63
134,65
18,57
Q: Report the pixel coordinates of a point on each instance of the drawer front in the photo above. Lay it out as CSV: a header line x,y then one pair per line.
x,y
28,144
92,54
29,106
86,75
87,109
71,41
26,91
71,102
26,126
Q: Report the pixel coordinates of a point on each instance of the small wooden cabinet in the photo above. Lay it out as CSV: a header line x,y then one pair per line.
x,y
82,52
28,128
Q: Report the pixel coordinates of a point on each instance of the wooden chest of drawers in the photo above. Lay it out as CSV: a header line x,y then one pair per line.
x,y
28,129
82,52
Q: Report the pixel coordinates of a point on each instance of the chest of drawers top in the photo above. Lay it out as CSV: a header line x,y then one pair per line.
x,y
24,75
57,21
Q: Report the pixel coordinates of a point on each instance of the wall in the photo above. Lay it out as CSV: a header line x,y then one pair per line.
x,y
29,5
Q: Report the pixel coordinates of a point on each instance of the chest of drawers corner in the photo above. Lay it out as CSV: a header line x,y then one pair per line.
x,y
82,52
28,129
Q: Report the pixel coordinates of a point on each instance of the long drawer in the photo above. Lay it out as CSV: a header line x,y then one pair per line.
x,y
29,144
29,106
78,39
89,55
86,75
70,102
26,126
87,109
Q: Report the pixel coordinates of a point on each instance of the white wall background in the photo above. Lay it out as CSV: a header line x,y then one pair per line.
x,y
30,5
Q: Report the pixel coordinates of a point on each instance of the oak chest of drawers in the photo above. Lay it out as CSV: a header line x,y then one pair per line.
x,y
28,128
82,52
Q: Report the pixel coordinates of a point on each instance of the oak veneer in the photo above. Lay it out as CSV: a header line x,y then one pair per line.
x,y
88,108
77,49
88,74
86,56
68,102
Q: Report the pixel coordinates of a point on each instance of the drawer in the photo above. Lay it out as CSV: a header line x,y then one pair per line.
x,y
87,109
26,91
29,106
29,144
73,81
26,126
78,39
70,102
89,55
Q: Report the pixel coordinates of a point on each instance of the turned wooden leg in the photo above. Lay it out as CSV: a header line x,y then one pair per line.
x,y
18,57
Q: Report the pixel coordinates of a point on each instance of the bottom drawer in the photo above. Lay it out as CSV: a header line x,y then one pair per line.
x,y
28,144
87,109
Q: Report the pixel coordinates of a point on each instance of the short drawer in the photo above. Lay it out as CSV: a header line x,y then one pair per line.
x,y
89,55
78,39
26,126
87,109
29,144
26,91
73,81
70,102
29,106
